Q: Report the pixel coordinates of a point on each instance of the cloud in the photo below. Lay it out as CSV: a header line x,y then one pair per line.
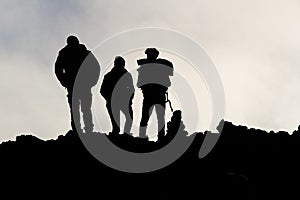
x,y
254,44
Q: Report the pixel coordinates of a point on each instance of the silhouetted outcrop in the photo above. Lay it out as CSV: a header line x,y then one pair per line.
x,y
244,164
142,145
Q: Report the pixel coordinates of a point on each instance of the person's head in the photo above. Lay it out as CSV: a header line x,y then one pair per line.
x,y
152,53
72,40
119,62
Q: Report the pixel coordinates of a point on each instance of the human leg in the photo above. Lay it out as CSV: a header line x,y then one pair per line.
x,y
129,118
146,112
86,104
74,111
160,112
114,117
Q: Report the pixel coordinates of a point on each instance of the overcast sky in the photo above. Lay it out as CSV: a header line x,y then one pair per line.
x,y
255,45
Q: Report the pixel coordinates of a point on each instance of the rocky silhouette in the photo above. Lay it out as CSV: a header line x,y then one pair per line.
x,y
246,163
142,145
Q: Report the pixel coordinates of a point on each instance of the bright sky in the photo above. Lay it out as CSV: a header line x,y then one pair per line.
x,y
255,45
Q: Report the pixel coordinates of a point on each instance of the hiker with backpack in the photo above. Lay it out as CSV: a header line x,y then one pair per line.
x,y
154,80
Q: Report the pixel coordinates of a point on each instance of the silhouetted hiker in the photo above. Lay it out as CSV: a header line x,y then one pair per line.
x,y
71,58
154,80
118,91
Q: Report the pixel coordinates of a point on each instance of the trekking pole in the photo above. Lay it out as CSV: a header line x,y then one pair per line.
x,y
168,100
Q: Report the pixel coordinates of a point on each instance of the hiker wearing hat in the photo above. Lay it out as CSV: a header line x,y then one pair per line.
x,y
154,79
74,58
